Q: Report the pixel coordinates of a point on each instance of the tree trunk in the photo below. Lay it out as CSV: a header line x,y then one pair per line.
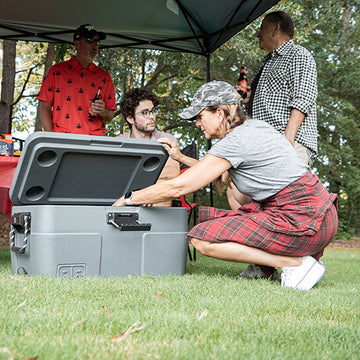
x,y
48,62
7,86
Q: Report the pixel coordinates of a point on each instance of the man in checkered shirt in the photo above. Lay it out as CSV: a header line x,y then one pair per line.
x,y
284,90
283,93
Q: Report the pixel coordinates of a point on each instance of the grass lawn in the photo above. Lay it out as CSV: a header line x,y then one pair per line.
x,y
206,314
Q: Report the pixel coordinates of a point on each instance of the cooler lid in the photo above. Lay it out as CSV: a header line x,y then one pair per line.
x,y
58,168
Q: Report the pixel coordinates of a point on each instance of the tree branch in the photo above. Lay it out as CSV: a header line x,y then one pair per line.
x,y
24,87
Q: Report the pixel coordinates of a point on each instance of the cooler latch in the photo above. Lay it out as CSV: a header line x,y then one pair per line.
x,y
20,222
127,222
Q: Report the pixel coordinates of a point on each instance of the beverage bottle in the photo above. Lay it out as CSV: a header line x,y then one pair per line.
x,y
96,97
242,83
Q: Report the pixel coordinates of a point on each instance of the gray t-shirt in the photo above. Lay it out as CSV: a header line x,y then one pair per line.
x,y
263,161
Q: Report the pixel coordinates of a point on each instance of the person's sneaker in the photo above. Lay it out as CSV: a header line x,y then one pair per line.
x,y
305,276
260,272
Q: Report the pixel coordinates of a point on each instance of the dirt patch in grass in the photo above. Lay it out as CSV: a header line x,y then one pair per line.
x,y
4,231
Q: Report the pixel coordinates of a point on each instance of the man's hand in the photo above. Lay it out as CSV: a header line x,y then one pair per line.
x,y
98,108
248,93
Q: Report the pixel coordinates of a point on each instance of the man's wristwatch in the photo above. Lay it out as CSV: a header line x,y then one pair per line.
x,y
128,197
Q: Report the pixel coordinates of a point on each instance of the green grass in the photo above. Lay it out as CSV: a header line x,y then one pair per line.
x,y
206,314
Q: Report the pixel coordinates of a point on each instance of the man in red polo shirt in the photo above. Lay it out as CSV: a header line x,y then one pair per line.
x,y
67,92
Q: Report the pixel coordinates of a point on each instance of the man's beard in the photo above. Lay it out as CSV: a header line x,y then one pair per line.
x,y
143,128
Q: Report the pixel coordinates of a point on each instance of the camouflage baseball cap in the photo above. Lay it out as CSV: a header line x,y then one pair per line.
x,y
210,94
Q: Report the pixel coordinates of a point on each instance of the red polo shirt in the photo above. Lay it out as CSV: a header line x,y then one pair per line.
x,y
69,88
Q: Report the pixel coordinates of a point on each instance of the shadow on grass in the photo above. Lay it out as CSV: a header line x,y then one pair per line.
x,y
5,257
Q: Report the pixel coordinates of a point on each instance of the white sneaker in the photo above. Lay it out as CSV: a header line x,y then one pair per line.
x,y
305,276
255,272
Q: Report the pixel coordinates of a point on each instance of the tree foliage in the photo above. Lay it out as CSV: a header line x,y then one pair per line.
x,y
335,43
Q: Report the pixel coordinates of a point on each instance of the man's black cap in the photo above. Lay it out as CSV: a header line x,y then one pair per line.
x,y
88,31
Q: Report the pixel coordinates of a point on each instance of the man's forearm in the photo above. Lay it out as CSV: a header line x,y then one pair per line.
x,y
107,115
46,116
292,127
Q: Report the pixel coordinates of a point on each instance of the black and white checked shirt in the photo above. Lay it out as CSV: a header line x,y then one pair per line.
x,y
289,80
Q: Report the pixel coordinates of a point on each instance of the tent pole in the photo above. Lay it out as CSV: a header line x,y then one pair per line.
x,y
209,141
208,67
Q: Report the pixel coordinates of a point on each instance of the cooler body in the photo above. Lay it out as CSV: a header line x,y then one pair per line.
x,y
81,241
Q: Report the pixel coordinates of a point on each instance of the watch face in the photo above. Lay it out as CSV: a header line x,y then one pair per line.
x,y
128,195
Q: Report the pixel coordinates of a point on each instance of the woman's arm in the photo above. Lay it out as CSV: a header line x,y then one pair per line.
x,y
201,174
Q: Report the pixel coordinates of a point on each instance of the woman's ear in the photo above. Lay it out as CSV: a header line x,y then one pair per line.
x,y
220,113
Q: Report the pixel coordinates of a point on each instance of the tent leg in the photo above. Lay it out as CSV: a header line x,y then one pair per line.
x,y
209,141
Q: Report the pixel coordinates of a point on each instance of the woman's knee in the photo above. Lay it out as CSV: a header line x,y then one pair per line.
x,y
200,245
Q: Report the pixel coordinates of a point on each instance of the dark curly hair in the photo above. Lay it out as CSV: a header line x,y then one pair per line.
x,y
132,99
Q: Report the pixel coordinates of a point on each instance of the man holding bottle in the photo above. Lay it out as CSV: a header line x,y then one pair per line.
x,y
68,92
284,89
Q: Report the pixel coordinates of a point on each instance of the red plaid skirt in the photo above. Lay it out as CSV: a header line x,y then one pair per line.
x,y
299,220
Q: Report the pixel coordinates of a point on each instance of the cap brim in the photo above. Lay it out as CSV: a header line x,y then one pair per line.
x,y
102,35
191,112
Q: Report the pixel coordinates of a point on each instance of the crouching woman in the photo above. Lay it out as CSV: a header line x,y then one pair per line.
x,y
291,217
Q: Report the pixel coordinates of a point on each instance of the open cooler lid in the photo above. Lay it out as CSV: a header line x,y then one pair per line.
x,y
58,168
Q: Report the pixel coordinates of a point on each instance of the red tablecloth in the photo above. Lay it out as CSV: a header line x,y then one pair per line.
x,y
7,170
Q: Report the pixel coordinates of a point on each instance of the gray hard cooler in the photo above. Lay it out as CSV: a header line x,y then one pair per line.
x,y
63,223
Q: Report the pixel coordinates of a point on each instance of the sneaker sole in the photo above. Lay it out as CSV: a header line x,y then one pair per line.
x,y
312,277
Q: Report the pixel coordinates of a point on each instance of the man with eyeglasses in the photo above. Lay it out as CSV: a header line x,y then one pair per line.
x,y
138,107
69,87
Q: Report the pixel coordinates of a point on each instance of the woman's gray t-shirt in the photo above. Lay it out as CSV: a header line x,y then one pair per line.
x,y
263,161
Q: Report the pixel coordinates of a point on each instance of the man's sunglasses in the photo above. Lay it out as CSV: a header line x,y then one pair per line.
x,y
91,40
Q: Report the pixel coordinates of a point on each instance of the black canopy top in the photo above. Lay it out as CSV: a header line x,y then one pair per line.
x,y
196,26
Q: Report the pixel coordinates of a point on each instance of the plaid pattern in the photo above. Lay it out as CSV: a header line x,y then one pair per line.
x,y
299,220
288,80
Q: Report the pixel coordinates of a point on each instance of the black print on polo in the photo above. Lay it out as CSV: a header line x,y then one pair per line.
x,y
69,81
57,90
68,98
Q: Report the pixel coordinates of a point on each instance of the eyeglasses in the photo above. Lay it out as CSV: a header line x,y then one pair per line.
x,y
91,40
147,113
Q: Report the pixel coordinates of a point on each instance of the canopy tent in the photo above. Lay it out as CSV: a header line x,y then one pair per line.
x,y
196,26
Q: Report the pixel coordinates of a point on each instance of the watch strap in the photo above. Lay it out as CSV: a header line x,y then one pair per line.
x,y
128,197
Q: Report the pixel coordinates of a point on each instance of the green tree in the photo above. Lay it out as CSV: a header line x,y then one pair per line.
x,y
335,43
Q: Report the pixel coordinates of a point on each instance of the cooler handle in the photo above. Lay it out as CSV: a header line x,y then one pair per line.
x,y
127,222
20,222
